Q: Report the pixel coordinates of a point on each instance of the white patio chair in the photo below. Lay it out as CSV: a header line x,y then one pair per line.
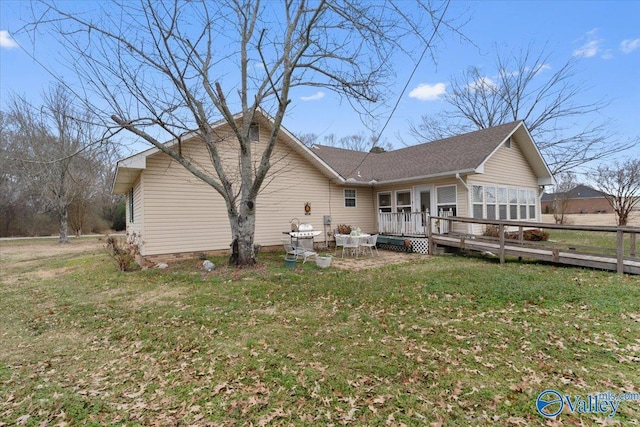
x,y
290,249
351,243
341,239
305,248
370,243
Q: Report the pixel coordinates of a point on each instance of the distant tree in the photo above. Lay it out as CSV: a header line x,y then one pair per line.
x,y
357,142
525,87
566,181
620,185
166,69
54,152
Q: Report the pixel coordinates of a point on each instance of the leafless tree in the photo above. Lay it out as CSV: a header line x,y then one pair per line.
x,y
566,181
357,141
161,70
620,185
525,87
53,153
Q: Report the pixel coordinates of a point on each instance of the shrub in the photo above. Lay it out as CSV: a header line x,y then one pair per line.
x,y
533,235
123,252
491,231
536,235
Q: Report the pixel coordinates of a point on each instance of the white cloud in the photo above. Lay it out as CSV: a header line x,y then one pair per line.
x,y
628,46
316,96
588,50
427,92
6,40
591,47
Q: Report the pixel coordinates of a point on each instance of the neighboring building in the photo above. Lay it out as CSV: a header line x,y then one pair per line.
x,y
581,199
491,173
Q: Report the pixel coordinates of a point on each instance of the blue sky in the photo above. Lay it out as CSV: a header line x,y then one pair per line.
x,y
605,35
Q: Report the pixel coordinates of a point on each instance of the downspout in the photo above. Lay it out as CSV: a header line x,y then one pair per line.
x,y
464,184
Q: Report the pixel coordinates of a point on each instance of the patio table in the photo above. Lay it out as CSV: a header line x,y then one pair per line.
x,y
356,241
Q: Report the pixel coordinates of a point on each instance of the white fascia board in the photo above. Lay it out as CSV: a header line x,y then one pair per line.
x,y
451,174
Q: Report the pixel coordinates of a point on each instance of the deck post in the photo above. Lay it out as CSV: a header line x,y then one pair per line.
x,y
620,250
521,234
632,249
501,232
430,237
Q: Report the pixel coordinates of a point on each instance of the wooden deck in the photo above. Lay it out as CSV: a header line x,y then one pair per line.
x,y
621,262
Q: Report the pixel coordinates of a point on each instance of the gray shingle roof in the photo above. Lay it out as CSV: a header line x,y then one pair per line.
x,y
445,156
580,191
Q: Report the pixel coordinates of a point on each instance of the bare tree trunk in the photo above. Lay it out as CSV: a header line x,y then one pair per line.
x,y
243,227
64,227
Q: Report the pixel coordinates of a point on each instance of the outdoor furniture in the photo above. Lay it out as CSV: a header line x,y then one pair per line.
x,y
369,242
299,250
351,243
341,239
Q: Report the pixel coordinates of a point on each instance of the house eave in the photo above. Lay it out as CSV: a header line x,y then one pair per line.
x,y
124,179
448,174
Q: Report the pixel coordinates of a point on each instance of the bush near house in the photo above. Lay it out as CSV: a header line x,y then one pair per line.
x,y
532,235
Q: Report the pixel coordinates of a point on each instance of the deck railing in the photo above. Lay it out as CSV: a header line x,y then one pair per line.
x,y
409,223
603,247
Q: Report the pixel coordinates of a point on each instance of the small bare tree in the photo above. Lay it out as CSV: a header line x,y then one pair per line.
x,y
526,88
620,185
566,181
163,69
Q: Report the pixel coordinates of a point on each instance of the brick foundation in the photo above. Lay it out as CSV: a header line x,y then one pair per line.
x,y
148,261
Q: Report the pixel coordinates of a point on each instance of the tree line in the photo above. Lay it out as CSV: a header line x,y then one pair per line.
x,y
57,170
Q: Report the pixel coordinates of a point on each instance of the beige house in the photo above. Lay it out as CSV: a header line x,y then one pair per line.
x,y
492,173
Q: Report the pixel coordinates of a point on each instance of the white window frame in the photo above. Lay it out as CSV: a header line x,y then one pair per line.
x,y
390,207
522,200
488,204
503,201
455,204
401,208
354,197
477,200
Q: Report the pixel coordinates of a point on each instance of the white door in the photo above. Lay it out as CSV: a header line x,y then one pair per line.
x,y
423,201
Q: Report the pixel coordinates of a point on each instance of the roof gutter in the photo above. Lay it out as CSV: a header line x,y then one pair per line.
x,y
423,177
464,184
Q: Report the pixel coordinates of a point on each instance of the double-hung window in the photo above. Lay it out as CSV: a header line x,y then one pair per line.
x,y
403,201
491,201
502,202
478,201
384,202
349,198
446,199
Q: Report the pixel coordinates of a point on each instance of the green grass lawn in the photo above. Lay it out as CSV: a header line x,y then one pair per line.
x,y
445,341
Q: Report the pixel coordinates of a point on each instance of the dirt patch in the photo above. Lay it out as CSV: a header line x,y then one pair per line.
x,y
35,250
382,259
24,259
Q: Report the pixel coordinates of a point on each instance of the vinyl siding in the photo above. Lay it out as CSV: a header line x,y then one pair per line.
x,y
183,214
507,166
